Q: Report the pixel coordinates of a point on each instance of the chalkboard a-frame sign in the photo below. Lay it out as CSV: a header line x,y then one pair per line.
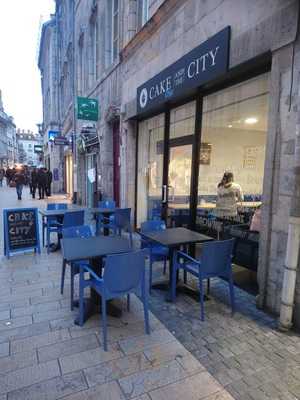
x,y
21,230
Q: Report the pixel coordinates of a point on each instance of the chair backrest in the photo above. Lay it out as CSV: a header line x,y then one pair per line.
x,y
57,206
82,231
107,204
124,272
122,218
153,225
74,218
216,257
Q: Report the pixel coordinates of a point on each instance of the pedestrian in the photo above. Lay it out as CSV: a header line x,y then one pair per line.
x,y
19,179
49,181
33,182
42,183
8,175
2,174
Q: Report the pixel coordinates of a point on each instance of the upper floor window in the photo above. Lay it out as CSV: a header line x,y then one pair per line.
x,y
114,29
95,48
143,12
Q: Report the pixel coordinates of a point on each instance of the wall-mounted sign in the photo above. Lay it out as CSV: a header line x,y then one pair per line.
x,y
61,141
52,135
38,148
21,230
204,63
87,109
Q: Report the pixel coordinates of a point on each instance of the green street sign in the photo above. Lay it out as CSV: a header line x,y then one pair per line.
x,y
87,109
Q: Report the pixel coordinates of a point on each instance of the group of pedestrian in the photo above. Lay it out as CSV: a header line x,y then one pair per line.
x,y
37,178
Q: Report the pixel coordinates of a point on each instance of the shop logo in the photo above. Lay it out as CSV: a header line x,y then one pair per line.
x,y
143,98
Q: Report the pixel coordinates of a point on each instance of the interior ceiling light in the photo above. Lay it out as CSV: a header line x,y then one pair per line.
x,y
251,120
229,126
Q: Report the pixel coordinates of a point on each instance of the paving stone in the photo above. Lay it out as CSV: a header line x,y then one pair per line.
x,y
4,315
4,349
116,369
12,323
34,342
67,347
28,376
165,352
196,387
107,391
24,331
30,288
17,361
88,358
140,343
37,308
51,389
145,381
14,304
54,314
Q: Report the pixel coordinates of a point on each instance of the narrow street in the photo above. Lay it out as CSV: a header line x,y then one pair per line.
x,y
43,355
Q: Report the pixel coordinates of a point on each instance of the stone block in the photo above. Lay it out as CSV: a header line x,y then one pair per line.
x,y
108,391
53,314
85,359
34,309
145,381
51,389
4,315
35,342
24,331
116,369
11,324
4,349
197,387
17,361
28,376
141,343
67,347
165,352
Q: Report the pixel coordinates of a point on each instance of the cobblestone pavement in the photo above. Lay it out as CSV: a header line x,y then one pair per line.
x,y
44,356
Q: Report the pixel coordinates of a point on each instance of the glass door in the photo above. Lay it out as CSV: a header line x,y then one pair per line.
x,y
150,169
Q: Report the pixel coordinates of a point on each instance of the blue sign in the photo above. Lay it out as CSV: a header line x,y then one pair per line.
x,y
52,135
206,62
21,230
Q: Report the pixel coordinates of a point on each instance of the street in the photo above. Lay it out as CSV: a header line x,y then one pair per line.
x,y
44,355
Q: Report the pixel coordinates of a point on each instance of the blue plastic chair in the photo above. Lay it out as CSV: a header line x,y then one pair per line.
x,y
74,218
101,220
123,274
122,222
52,220
215,261
83,231
157,252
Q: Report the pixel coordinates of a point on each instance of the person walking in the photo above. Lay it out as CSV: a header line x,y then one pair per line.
x,y
42,183
2,174
8,175
33,182
19,179
49,181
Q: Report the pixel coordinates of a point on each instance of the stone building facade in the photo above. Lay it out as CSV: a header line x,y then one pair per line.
x,y
122,46
8,141
27,151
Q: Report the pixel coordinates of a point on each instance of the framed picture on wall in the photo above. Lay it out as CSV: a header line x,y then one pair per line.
x,y
205,153
250,157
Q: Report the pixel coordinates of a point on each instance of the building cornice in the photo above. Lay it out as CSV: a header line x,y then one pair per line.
x,y
163,13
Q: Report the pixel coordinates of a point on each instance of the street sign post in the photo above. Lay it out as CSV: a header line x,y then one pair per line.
x,y
61,141
87,109
52,135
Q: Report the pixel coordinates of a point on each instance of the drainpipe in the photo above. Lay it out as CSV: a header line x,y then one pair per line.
x,y
293,245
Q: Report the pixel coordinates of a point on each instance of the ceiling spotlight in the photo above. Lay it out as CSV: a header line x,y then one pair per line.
x,y
251,120
229,126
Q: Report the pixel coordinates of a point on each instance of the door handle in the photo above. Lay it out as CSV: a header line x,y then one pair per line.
x,y
164,194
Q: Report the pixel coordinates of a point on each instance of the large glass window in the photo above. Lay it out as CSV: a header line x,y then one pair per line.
x,y
234,129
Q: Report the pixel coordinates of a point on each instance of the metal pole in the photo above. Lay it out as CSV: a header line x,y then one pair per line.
x,y
74,87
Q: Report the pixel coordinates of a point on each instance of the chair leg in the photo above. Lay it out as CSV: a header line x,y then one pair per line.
x,y
81,298
165,266
63,273
48,241
231,290
184,277
150,274
128,302
43,235
174,282
104,325
72,286
201,299
208,287
146,312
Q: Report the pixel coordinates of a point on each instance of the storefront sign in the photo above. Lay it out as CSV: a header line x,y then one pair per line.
x,y
52,135
87,109
204,63
21,230
61,141
38,149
